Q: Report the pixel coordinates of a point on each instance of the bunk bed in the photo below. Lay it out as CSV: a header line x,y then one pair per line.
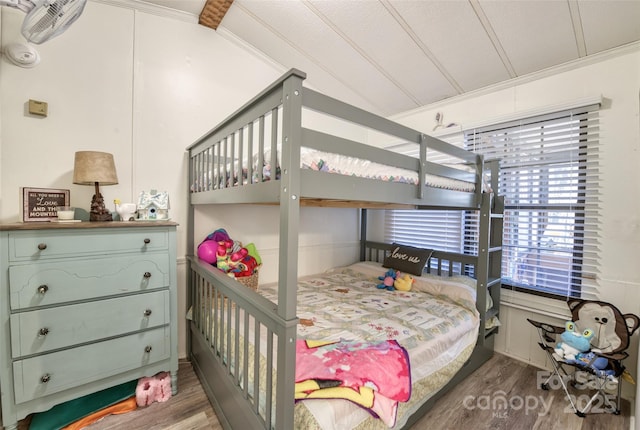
x,y
242,342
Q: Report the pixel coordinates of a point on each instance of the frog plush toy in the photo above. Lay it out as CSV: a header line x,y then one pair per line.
x,y
573,342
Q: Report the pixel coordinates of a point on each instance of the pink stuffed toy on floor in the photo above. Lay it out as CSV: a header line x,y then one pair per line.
x,y
153,389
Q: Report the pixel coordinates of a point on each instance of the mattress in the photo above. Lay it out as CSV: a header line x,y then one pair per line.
x,y
332,163
352,166
436,322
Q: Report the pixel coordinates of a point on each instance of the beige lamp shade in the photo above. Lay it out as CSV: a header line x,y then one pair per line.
x,y
93,166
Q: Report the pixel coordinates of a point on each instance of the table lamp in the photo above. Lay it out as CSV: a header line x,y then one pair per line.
x,y
95,168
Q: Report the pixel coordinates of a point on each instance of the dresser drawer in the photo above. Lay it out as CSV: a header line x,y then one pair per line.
x,y
48,244
49,283
44,330
50,373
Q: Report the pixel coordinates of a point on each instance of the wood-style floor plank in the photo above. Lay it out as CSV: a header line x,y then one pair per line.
x,y
176,414
474,404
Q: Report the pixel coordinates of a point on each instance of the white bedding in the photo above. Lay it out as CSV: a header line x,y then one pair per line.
x,y
351,166
436,322
338,164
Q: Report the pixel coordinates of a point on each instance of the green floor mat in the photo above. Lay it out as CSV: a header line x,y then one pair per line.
x,y
69,412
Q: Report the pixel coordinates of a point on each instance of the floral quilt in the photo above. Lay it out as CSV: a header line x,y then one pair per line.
x,y
436,322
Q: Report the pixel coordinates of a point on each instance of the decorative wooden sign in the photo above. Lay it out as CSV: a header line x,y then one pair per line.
x,y
39,204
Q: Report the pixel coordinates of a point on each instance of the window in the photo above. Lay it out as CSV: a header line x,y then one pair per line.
x,y
549,177
443,230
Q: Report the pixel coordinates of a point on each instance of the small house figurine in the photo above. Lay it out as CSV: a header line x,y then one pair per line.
x,y
153,205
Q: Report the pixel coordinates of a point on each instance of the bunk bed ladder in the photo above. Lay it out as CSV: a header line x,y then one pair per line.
x,y
488,269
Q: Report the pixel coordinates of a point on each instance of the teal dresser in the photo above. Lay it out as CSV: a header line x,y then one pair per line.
x,y
83,307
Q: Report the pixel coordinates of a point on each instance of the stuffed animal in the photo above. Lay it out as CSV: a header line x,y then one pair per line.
x,y
599,365
573,342
245,267
253,251
237,256
612,328
387,280
153,389
404,282
229,255
223,253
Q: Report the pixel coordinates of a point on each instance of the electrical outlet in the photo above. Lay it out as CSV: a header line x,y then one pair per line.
x,y
38,108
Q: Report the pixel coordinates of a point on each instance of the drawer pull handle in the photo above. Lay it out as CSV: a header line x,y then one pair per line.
x,y
45,378
147,312
42,246
147,348
43,289
147,241
147,275
43,331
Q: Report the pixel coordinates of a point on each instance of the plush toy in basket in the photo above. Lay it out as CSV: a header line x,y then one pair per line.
x,y
230,256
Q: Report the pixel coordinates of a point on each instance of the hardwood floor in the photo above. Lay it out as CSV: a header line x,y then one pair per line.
x,y
188,410
467,406
175,414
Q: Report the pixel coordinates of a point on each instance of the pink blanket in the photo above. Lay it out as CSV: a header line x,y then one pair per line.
x,y
374,375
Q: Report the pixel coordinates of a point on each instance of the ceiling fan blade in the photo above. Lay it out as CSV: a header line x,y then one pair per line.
x,y
50,18
23,5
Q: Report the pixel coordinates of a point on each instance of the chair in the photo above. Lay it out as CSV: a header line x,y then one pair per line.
x,y
607,332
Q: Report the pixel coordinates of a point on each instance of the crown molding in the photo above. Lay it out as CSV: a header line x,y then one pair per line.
x,y
153,9
531,77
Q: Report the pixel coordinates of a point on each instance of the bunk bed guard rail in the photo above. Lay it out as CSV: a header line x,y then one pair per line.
x,y
261,142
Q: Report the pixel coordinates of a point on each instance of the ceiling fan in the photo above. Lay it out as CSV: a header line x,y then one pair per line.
x,y
46,19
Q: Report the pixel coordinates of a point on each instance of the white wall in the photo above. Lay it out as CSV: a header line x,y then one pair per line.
x,y
138,85
143,86
615,77
328,236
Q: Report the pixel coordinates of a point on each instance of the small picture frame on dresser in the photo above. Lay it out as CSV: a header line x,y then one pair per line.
x,y
39,204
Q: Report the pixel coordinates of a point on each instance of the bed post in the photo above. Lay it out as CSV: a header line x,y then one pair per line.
x,y
363,234
422,168
479,164
290,194
190,228
288,261
494,167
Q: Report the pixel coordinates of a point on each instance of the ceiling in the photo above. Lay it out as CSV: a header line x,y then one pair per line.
x,y
392,56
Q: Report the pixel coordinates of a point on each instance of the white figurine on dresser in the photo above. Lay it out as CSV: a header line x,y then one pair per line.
x,y
83,307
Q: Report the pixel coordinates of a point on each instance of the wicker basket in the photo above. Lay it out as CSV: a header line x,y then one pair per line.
x,y
249,281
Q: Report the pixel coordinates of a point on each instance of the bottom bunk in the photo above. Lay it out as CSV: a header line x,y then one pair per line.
x,y
248,359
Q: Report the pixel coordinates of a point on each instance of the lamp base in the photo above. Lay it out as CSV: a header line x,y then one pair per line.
x,y
99,211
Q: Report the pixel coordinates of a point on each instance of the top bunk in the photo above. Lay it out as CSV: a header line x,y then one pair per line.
x,y
323,156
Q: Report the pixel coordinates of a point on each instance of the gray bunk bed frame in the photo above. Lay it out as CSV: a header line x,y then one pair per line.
x,y
218,170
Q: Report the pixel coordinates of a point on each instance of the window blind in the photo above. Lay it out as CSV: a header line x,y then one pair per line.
x,y
443,230
549,177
